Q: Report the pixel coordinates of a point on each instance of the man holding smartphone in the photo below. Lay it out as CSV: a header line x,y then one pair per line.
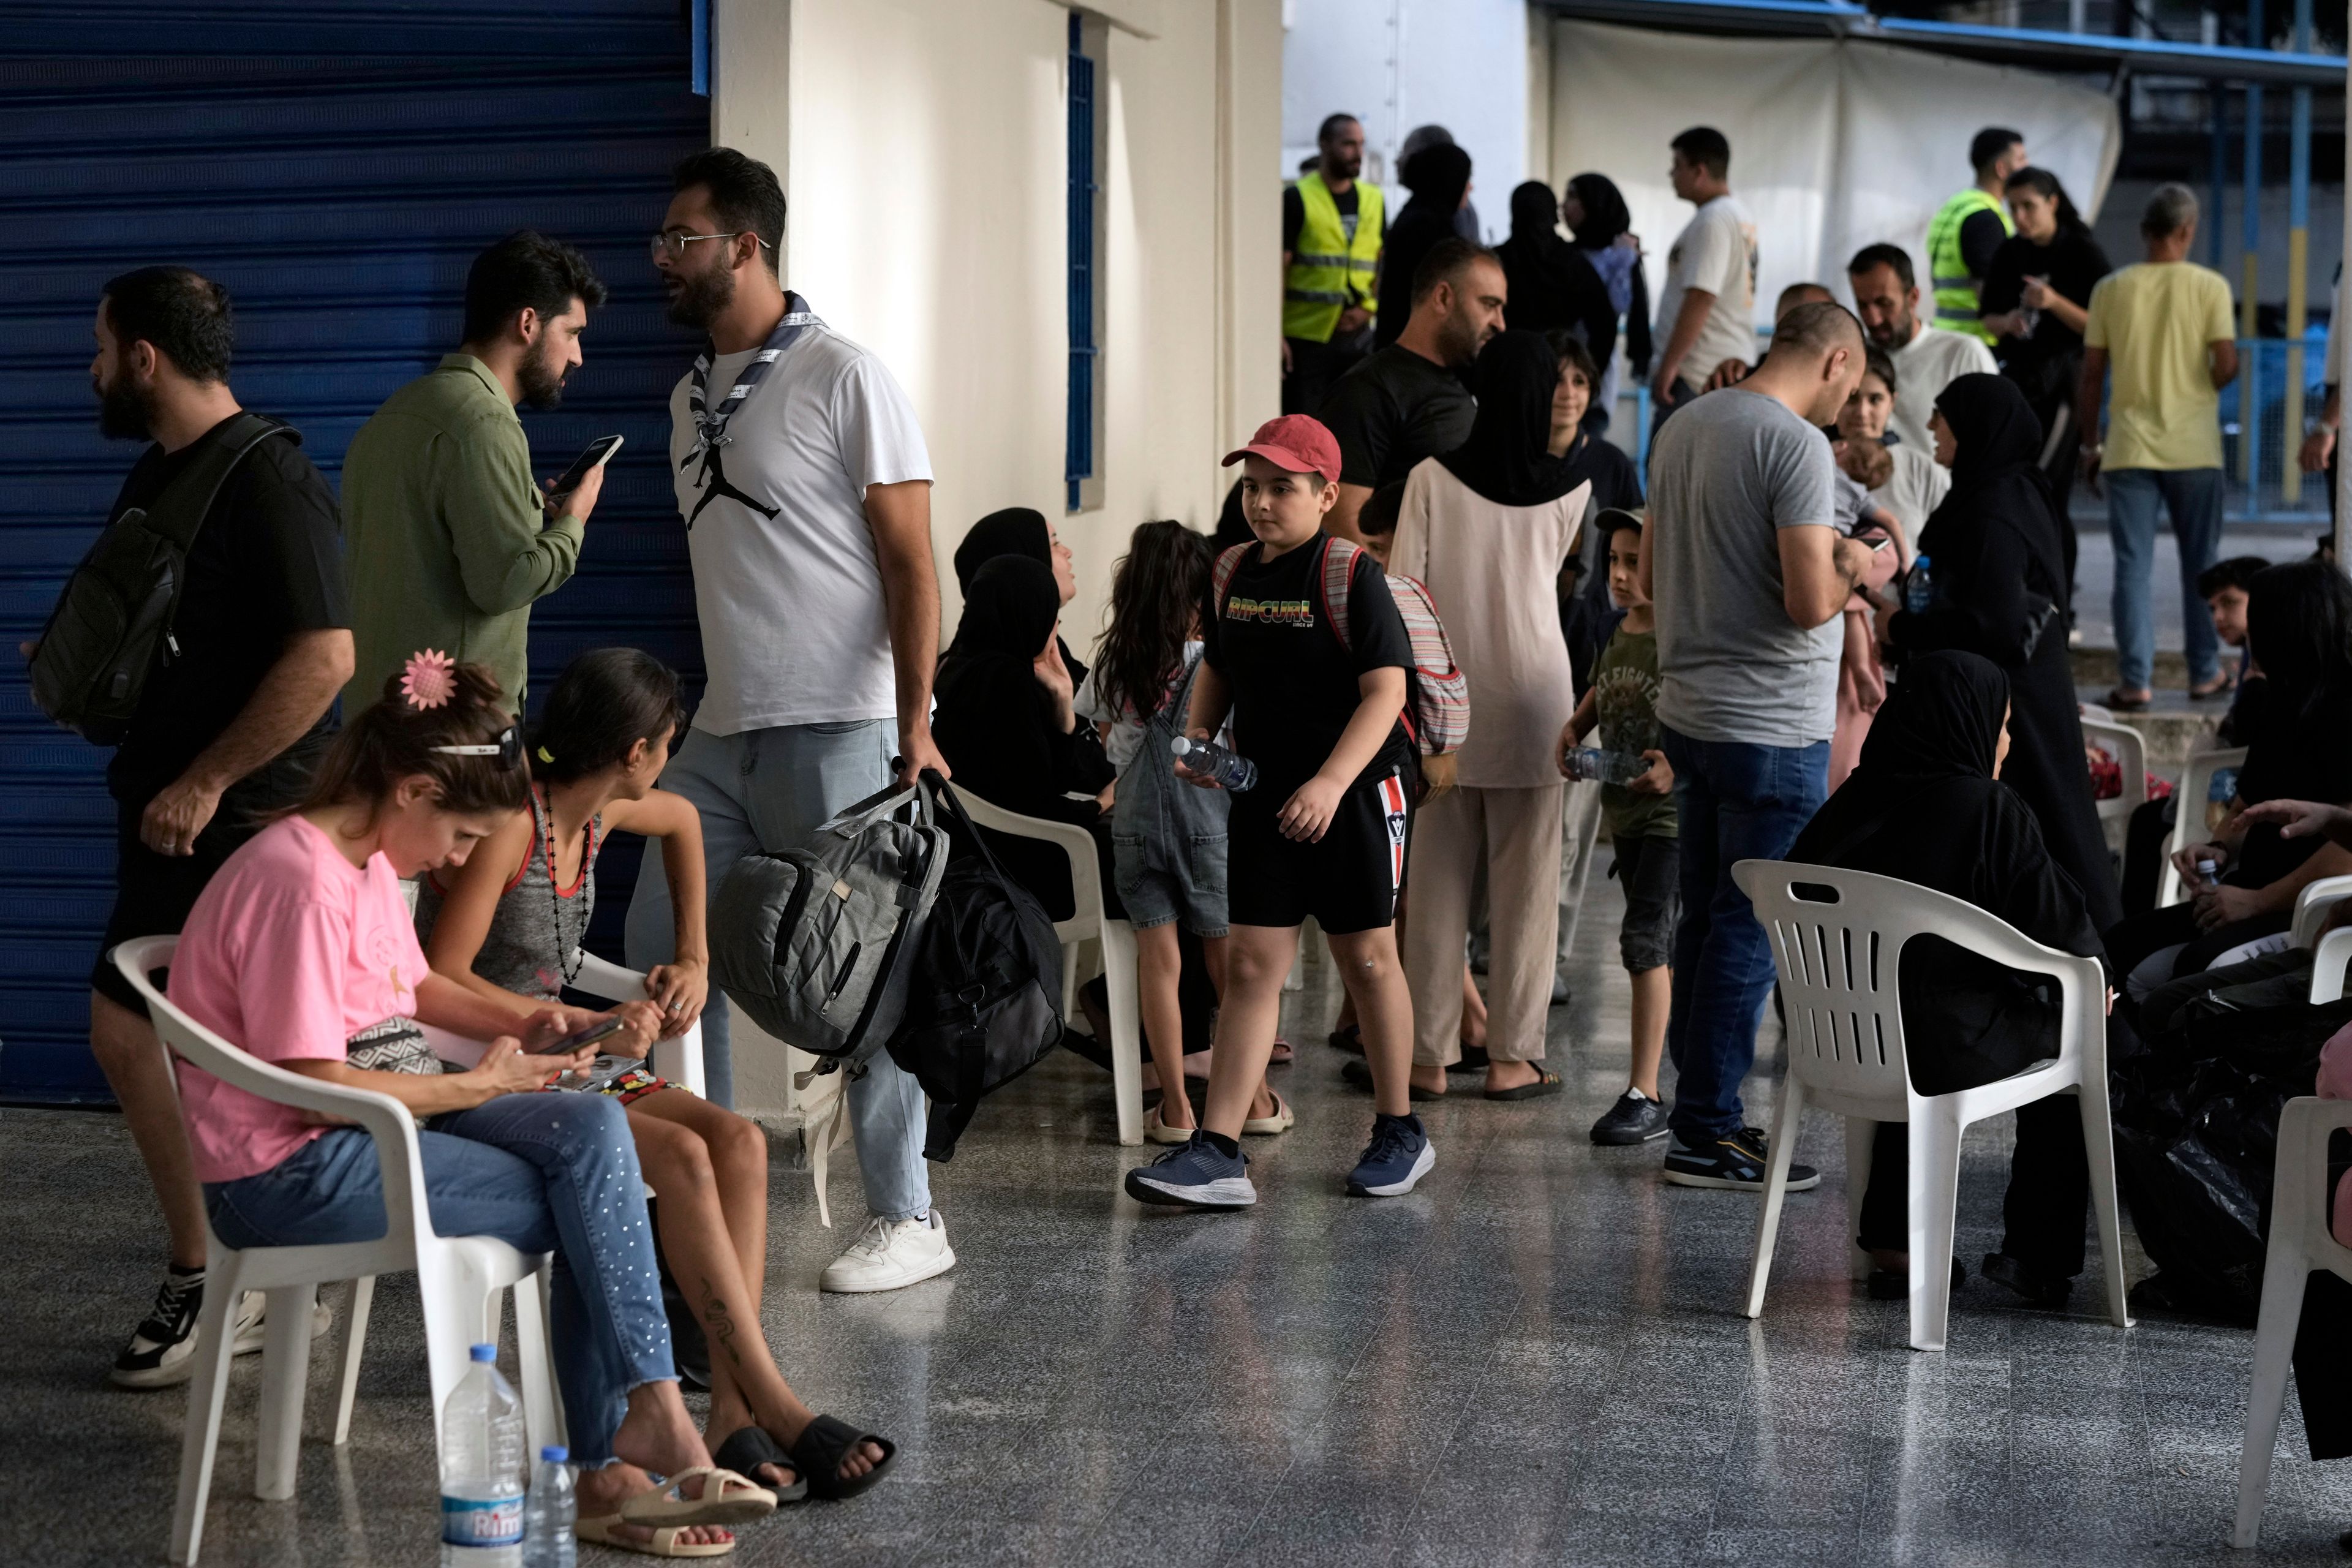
x,y
447,539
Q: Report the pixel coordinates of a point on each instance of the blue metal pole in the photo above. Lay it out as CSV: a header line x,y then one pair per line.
x,y
2250,279
2220,193
2298,270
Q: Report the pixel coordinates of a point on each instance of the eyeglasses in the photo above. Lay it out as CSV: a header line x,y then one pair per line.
x,y
673,245
508,749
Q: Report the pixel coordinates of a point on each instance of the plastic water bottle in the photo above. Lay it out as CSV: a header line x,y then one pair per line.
x,y
1207,757
2209,871
1918,589
481,1470
1608,767
548,1517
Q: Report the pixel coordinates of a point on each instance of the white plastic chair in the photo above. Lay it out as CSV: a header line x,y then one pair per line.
x,y
1118,938
1837,964
458,1277
2123,743
2188,814
2300,1243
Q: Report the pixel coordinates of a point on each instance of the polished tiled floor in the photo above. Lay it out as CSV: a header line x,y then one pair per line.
x,y
1536,1358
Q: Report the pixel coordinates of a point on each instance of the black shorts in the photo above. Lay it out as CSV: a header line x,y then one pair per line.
x,y
1348,879
1650,870
154,893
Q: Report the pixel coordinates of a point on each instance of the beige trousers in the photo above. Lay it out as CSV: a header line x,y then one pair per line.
x,y
1518,831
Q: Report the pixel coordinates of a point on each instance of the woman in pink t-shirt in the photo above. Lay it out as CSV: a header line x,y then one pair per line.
x,y
300,952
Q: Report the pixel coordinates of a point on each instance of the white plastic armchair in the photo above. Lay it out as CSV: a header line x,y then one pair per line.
x,y
458,1277
1118,938
2123,743
680,1059
1837,962
2300,1243
2188,814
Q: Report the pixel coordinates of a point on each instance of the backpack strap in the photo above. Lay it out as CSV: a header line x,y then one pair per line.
x,y
181,509
1338,578
1221,576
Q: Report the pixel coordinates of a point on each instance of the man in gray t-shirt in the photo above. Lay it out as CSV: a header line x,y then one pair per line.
x,y
1749,576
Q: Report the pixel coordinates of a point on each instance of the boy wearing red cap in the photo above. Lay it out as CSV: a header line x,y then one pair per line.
x,y
1316,699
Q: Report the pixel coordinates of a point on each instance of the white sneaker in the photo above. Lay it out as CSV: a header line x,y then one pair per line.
x,y
889,1254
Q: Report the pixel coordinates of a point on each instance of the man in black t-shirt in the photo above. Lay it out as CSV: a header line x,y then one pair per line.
x,y
229,721
1407,402
1316,692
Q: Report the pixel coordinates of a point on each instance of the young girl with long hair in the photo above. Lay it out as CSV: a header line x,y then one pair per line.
x,y
507,927
300,952
1168,839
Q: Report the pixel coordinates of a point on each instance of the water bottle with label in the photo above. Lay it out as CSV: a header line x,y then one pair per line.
x,y
1918,589
1608,767
549,1516
481,1470
1209,759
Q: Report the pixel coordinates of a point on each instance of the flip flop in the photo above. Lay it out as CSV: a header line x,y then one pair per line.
x,y
1474,1060
1545,1083
727,1499
1360,1074
2122,701
821,1448
598,1531
1349,1040
750,1447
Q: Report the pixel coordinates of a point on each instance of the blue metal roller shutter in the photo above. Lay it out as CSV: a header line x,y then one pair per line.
x,y
337,167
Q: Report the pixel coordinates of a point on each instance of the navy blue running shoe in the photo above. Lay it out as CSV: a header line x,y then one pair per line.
x,y
1195,1177
1399,1156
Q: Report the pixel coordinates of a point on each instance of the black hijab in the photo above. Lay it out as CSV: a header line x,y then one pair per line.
x,y
1438,178
1016,530
1605,213
1552,283
1009,610
1937,732
1997,478
1507,458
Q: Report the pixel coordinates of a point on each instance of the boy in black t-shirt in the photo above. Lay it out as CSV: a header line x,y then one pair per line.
x,y
1316,699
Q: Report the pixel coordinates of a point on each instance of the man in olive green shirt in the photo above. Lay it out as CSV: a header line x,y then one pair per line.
x,y
448,540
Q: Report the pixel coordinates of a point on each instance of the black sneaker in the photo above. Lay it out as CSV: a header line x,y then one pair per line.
x,y
1634,1119
163,1349
1735,1161
1399,1156
1196,1175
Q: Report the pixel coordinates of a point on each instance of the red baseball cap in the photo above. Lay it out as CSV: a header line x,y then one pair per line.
x,y
1295,442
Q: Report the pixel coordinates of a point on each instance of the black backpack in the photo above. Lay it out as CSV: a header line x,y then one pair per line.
x,y
984,1003
113,621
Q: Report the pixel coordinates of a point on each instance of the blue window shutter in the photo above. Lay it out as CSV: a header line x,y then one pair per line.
x,y
1079,464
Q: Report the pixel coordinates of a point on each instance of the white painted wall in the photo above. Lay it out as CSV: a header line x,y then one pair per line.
x,y
922,148
1397,64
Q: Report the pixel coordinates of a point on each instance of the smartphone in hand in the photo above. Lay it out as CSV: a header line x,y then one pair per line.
x,y
580,1039
592,456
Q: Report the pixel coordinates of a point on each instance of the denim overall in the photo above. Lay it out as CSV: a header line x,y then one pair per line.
x,y
1168,836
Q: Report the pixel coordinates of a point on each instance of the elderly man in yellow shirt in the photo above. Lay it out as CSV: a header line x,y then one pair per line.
x,y
2164,327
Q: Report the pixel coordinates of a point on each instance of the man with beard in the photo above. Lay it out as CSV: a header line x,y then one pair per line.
x,y
450,541
1406,402
805,489
1926,358
230,720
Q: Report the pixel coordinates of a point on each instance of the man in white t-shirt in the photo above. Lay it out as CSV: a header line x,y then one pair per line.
x,y
804,486
1706,311
1926,358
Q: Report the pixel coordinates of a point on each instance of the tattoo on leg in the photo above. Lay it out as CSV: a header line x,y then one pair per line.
x,y
719,1322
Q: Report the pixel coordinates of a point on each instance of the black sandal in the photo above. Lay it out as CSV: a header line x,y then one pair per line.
x,y
748,1450
1545,1083
1358,1074
821,1448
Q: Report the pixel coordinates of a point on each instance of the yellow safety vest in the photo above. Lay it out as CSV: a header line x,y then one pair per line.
x,y
1328,271
1956,292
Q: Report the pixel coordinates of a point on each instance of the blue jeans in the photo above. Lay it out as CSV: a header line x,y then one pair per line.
x,y
542,1172
2193,497
769,790
1733,802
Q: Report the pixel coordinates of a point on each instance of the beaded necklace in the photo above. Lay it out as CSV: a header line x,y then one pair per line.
x,y
570,964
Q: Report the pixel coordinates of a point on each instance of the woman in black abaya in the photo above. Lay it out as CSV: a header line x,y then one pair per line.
x,y
1553,285
2002,592
1439,178
1922,806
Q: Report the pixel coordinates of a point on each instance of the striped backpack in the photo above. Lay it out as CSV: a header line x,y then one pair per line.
x,y
1437,694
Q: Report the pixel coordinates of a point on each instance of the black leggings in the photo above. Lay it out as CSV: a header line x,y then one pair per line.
x,y
2049,1189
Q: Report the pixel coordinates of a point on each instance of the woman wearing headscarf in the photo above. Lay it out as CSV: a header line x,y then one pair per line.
x,y
1553,286
1485,528
1007,725
1021,531
1439,179
1595,213
1923,806
2001,591
2037,297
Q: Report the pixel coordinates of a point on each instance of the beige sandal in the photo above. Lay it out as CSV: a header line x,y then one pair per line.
x,y
727,1499
1283,1120
598,1531
1158,1132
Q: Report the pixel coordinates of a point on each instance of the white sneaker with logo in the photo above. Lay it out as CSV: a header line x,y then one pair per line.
x,y
889,1254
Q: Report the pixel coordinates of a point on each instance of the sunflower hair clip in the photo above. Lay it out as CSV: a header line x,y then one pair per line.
x,y
428,681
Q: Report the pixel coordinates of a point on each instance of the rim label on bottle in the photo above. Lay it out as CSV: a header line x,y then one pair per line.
x,y
481,1521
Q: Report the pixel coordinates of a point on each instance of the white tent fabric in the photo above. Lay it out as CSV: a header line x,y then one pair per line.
x,y
1835,144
